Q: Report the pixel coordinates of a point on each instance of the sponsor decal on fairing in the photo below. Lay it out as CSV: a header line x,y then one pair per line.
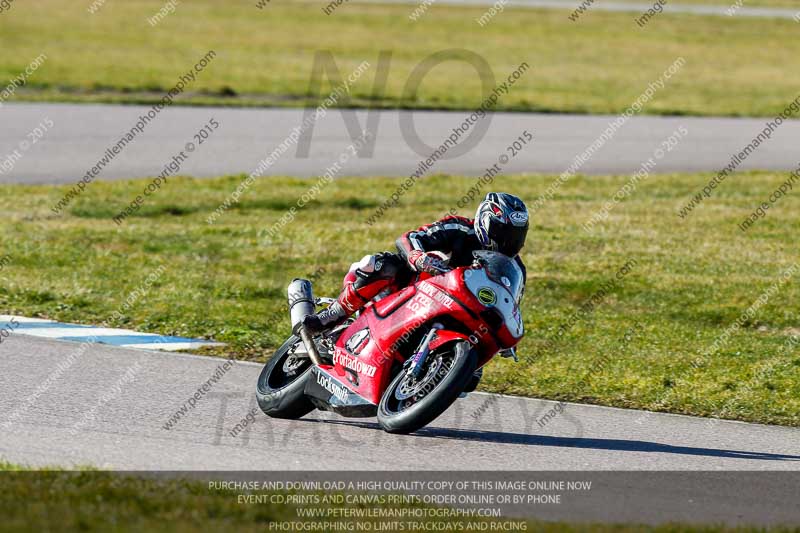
x,y
354,364
331,386
487,296
356,341
436,294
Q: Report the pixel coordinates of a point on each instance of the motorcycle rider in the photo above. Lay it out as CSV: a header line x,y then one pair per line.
x,y
500,224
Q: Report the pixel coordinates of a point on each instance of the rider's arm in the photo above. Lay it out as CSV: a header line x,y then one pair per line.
x,y
440,236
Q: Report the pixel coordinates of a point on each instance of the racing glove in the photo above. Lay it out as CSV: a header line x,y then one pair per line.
x,y
430,262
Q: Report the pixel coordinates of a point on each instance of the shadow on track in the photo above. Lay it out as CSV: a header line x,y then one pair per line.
x,y
498,437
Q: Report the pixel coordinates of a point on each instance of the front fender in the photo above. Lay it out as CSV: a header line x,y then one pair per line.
x,y
444,336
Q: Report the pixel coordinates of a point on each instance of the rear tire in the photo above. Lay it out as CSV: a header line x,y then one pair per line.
x,y
280,388
395,416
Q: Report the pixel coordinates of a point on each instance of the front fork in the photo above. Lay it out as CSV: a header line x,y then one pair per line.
x,y
417,362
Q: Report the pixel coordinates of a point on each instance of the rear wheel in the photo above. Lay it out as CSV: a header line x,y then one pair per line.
x,y
409,404
282,381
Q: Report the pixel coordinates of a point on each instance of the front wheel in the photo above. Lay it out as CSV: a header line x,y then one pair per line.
x,y
409,404
280,388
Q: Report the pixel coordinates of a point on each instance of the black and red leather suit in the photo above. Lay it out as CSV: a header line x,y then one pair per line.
x,y
453,236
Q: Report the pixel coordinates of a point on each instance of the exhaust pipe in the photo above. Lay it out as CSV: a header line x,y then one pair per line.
x,y
301,304
301,300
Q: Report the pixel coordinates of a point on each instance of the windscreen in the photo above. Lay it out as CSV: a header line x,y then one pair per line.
x,y
502,270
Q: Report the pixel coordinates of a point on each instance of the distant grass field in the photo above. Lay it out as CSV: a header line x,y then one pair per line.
x,y
692,278
599,64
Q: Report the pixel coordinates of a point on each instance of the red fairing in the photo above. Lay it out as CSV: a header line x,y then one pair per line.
x,y
492,339
366,352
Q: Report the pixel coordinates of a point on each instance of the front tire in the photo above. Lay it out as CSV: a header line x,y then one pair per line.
x,y
404,409
280,388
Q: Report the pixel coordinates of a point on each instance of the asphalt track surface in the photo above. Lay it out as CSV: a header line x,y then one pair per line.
x,y
624,7
106,406
82,133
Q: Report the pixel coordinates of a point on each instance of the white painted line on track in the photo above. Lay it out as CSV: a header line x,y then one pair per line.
x,y
50,329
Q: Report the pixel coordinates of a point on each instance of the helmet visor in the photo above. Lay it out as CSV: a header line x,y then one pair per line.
x,y
509,239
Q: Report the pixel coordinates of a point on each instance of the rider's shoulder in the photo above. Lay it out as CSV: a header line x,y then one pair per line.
x,y
455,219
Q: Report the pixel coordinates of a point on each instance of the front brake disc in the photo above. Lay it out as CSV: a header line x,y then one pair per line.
x,y
409,387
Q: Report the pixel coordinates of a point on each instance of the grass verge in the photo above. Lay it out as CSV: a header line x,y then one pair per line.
x,y
692,279
599,64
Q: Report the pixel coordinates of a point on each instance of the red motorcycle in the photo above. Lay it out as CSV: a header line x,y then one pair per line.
x,y
407,356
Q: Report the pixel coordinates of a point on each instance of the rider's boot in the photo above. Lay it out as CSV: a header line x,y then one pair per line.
x,y
348,302
365,280
325,319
